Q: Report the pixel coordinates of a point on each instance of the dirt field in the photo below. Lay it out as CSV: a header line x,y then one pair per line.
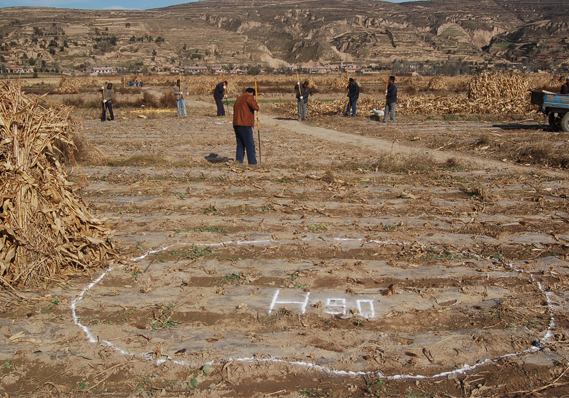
x,y
415,259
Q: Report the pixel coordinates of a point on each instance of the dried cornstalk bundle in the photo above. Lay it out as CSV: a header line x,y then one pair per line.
x,y
74,85
437,83
457,104
340,83
47,230
507,85
67,86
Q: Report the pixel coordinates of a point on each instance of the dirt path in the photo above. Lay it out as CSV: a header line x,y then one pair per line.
x,y
380,145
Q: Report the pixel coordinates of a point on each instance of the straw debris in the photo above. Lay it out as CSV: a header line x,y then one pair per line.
x,y
47,230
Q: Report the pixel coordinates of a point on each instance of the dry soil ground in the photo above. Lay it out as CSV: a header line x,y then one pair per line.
x,y
351,262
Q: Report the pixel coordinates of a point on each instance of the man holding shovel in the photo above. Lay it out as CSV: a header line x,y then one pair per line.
x,y
243,122
107,93
302,93
180,92
219,95
390,100
353,95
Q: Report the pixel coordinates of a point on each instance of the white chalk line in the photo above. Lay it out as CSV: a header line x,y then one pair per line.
x,y
149,357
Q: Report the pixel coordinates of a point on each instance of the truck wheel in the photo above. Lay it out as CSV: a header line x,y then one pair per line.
x,y
565,122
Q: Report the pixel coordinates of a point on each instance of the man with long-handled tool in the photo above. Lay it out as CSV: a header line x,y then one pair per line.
x,y
243,122
107,93
353,95
219,93
302,93
180,92
390,100
258,122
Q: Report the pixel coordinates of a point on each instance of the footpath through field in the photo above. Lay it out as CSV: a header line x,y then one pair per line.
x,y
379,144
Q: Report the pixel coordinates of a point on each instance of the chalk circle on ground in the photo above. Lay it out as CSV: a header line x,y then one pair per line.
x,y
419,332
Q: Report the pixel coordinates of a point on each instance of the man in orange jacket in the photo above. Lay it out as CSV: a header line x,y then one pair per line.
x,y
243,122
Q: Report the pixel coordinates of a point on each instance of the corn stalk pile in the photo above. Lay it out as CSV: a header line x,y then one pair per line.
x,y
491,93
67,86
47,230
437,83
339,83
499,85
74,85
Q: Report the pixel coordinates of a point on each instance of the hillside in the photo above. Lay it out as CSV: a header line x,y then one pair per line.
x,y
238,32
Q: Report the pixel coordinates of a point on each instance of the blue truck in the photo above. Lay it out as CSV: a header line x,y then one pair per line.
x,y
555,106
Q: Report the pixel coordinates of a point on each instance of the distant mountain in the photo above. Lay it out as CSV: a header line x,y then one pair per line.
x,y
276,33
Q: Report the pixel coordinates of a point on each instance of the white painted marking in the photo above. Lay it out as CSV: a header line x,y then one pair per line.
x,y
465,368
370,313
336,303
302,303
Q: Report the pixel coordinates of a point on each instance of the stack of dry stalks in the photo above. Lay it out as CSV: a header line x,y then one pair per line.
x,y
504,85
74,85
437,83
493,93
47,230
67,86
339,83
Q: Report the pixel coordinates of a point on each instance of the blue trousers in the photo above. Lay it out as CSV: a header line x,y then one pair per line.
x,y
245,142
181,105
351,104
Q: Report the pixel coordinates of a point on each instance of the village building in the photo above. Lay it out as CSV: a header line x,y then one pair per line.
x,y
104,70
195,69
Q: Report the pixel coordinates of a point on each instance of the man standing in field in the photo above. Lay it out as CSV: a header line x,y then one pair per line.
x,y
353,95
302,93
390,100
180,93
219,95
243,122
565,87
108,93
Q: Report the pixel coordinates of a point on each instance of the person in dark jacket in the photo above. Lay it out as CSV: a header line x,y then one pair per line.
x,y
243,122
108,93
565,87
219,95
302,93
353,95
390,100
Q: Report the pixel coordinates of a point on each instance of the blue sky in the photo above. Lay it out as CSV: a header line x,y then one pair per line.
x,y
99,4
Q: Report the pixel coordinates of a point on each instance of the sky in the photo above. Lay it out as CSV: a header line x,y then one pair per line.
x,y
100,4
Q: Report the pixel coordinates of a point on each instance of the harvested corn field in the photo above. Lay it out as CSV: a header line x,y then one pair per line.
x,y
360,259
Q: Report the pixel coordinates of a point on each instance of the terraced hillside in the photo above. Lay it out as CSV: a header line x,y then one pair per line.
x,y
276,33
